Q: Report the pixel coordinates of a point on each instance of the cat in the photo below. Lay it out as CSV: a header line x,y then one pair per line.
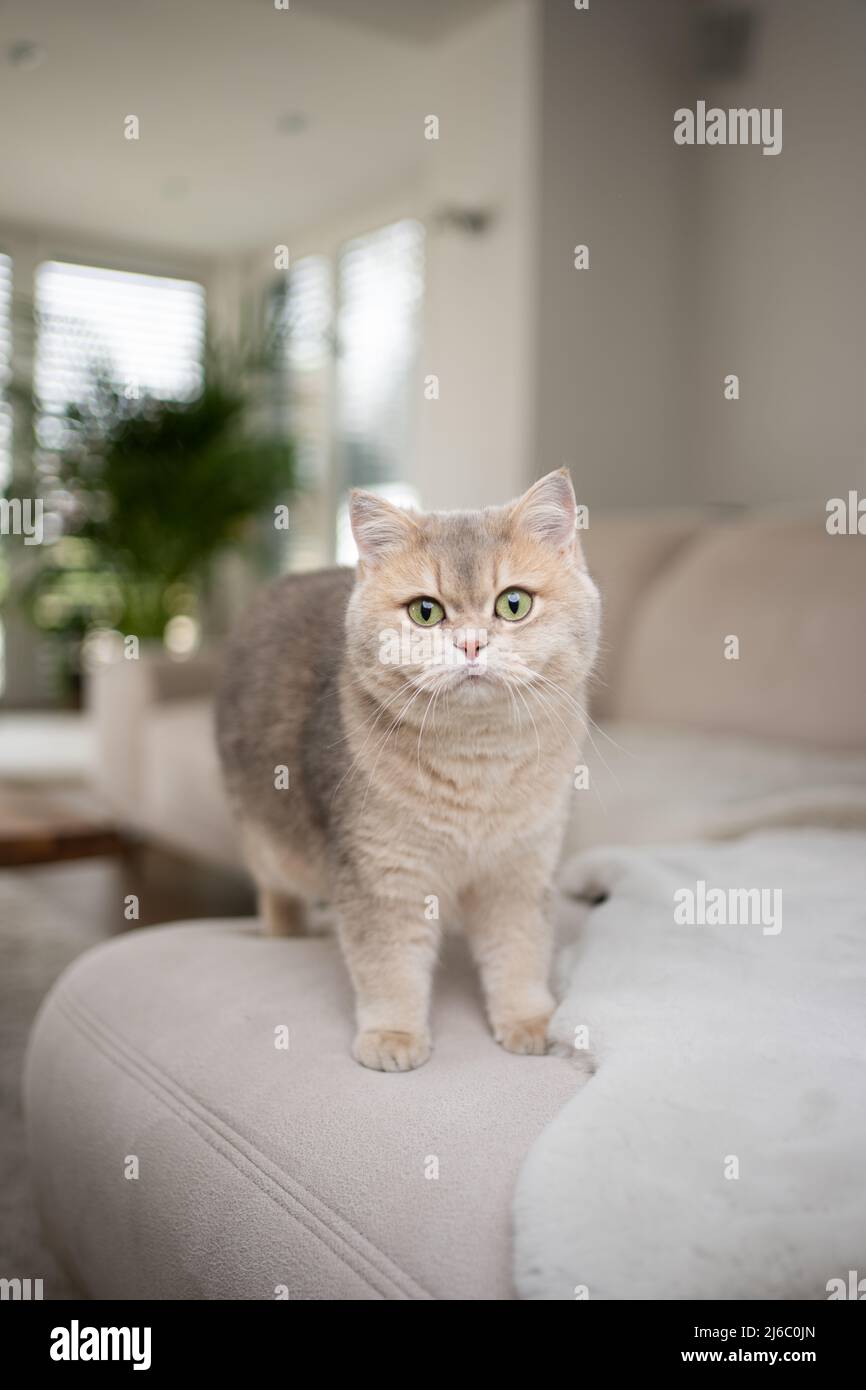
x,y
402,740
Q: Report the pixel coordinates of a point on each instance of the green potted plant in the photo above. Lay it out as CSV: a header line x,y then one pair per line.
x,y
148,493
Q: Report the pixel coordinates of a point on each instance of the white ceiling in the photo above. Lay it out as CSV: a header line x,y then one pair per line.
x,y
209,81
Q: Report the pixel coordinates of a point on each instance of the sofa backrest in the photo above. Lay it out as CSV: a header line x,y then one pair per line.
x,y
793,597
626,553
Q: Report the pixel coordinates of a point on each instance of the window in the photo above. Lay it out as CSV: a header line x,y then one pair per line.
x,y
308,350
5,414
144,332
380,287
145,335
302,331
5,369
380,292
348,338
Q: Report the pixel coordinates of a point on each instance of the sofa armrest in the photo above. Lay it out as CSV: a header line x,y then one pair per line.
x,y
120,694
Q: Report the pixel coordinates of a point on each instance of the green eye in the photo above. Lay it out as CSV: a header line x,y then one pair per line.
x,y
426,612
513,605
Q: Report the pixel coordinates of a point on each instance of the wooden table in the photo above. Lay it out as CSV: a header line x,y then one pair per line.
x,y
43,825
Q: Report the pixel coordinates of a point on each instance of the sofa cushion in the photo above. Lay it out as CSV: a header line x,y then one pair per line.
x,y
259,1167
794,597
625,554
184,802
650,784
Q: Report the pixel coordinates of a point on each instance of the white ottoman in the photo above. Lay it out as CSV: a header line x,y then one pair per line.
x,y
263,1170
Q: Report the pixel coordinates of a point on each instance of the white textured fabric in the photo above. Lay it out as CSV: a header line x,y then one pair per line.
x,y
711,1043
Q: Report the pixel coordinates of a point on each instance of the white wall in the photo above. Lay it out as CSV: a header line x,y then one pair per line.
x,y
613,339
781,294
476,439
704,261
474,442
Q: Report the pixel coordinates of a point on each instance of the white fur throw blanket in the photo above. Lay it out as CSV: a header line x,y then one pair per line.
x,y
719,1149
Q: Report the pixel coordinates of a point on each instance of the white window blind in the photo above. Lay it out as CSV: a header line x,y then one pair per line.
x,y
5,369
352,419
303,306
308,325
380,286
145,333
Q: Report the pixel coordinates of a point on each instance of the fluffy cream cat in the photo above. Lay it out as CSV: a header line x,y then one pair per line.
x,y
402,740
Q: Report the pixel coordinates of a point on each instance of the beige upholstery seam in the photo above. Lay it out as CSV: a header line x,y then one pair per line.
x,y
145,1070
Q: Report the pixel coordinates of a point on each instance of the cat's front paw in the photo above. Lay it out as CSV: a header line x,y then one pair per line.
x,y
385,1050
525,1035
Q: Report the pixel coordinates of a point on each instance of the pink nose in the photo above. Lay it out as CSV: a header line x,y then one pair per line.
x,y
470,643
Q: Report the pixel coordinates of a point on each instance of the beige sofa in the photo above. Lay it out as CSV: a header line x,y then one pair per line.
x,y
268,1172
680,720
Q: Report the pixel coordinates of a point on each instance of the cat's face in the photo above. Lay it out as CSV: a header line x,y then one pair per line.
x,y
478,604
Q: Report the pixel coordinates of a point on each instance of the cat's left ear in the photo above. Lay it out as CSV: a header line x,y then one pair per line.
x,y
548,511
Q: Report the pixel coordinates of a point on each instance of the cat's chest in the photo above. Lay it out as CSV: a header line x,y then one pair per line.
x,y
465,789
470,801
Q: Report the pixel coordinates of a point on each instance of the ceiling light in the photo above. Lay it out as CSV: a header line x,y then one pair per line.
x,y
292,123
25,55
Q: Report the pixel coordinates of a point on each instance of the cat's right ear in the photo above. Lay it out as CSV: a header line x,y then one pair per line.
x,y
378,526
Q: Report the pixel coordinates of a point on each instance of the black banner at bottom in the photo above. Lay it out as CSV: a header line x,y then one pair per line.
x,y
162,1339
